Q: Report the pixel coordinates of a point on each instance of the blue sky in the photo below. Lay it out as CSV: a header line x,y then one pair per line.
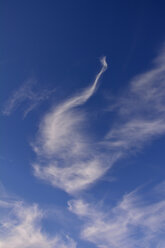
x,y
82,124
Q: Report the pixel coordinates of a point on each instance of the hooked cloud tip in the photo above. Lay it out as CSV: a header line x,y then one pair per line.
x,y
104,62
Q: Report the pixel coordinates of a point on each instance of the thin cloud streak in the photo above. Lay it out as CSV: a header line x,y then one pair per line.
x,y
131,223
20,227
27,96
86,94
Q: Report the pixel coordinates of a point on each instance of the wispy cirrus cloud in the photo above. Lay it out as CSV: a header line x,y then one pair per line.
x,y
26,95
133,222
67,156
21,227
60,129
70,162
141,112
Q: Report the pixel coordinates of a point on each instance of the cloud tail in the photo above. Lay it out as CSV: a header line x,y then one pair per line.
x,y
86,93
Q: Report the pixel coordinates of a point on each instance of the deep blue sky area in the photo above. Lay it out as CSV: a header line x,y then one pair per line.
x,y
62,35
50,53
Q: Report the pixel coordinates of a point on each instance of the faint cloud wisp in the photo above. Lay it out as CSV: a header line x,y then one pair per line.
x,y
26,95
141,112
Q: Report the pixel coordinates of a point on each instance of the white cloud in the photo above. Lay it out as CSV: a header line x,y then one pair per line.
x,y
71,162
131,223
20,227
134,133
25,94
141,110
60,129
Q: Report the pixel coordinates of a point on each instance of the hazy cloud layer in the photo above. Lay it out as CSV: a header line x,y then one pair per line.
x,y
27,96
20,227
133,222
